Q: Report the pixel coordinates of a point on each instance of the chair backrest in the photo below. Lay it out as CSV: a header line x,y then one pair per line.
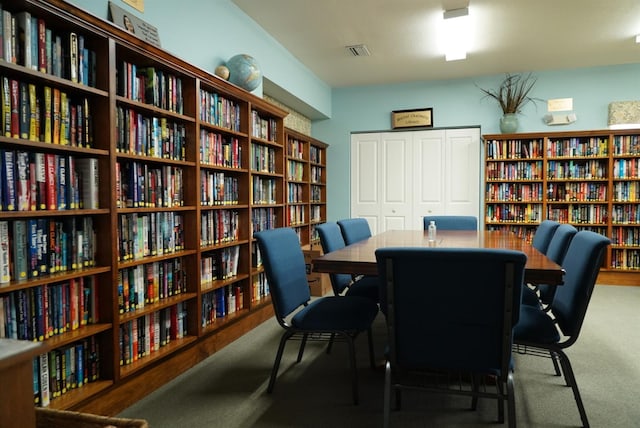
x,y
354,229
581,264
560,241
442,316
331,240
285,269
452,222
543,235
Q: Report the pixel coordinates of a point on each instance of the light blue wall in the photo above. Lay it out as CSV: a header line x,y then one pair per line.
x,y
206,33
461,103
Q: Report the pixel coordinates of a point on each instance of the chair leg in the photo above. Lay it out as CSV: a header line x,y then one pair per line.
x,y
511,402
556,367
475,384
387,394
500,388
571,381
303,343
372,357
276,363
354,370
330,345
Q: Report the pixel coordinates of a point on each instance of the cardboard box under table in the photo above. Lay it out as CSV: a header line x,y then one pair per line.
x,y
319,283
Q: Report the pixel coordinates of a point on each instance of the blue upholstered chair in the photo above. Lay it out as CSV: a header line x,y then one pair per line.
x,y
539,332
556,251
331,240
466,329
452,222
300,317
354,229
543,235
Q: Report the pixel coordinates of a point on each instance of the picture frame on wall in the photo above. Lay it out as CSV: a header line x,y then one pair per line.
x,y
413,118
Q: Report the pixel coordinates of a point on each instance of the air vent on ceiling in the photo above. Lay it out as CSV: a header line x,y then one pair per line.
x,y
358,50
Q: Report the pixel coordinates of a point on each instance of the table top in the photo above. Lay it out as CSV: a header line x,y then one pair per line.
x,y
360,258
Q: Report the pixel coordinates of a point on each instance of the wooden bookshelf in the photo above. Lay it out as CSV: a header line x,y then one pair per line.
x,y
164,264
306,186
590,179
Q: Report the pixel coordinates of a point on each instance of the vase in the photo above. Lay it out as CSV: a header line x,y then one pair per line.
x,y
509,123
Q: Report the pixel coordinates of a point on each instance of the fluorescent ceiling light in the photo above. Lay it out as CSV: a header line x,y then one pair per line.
x,y
456,33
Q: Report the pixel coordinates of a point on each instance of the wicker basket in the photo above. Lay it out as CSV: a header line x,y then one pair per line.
x,y
51,418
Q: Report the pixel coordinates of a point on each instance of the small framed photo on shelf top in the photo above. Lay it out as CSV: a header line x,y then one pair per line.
x,y
415,118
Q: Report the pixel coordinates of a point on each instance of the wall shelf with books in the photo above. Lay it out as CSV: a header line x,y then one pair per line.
x,y
130,209
586,178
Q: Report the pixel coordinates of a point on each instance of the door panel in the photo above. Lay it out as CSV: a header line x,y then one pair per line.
x,y
429,179
396,169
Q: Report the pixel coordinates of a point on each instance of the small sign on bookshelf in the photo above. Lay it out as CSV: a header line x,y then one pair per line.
x,y
133,24
415,118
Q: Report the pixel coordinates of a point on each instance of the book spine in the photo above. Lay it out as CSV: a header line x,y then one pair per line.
x,y
15,108
5,259
51,187
20,263
23,186
8,170
25,112
44,380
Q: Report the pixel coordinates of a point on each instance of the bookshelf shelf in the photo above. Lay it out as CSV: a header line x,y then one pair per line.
x,y
585,178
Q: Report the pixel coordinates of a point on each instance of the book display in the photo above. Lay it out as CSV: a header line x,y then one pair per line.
x,y
589,179
134,183
306,186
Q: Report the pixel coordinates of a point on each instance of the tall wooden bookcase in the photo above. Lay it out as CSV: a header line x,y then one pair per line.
x,y
306,186
134,282
590,179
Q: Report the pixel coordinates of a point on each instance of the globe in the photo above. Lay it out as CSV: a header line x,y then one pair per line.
x,y
244,72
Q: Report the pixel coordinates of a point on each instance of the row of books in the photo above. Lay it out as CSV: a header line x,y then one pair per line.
x,y
143,235
264,190
517,213
296,215
625,259
42,113
316,193
626,214
263,158
315,213
264,128
219,264
581,213
147,334
219,227
220,150
64,369
520,170
295,170
259,287
151,136
46,181
295,148
218,188
140,185
627,236
521,192
626,168
514,149
295,193
315,154
317,173
626,145
579,146
626,191
577,192
41,246
571,170
523,232
27,40
149,85
221,302
44,311
150,283
219,110
263,219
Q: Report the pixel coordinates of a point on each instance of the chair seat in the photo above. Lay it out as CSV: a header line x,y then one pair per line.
x,y
536,326
367,286
347,313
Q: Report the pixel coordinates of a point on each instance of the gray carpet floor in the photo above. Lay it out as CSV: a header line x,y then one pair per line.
x,y
228,389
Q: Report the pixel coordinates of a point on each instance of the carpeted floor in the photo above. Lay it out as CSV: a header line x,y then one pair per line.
x,y
229,388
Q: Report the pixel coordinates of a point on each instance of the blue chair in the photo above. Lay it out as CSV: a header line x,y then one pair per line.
x,y
543,235
538,331
466,330
354,229
319,319
556,251
331,240
452,222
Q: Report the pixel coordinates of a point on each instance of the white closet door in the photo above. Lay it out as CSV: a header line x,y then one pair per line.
x,y
396,178
365,194
462,172
429,190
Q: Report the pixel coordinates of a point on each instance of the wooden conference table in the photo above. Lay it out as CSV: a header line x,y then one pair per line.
x,y
360,258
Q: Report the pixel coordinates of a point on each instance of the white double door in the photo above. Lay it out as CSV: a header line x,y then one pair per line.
x,y
399,177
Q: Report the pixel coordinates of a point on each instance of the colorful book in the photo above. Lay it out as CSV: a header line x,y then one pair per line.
x,y
5,258
23,27
8,171
23,186
87,169
20,261
25,111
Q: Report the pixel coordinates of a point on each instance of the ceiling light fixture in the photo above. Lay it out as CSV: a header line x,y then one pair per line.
x,y
456,33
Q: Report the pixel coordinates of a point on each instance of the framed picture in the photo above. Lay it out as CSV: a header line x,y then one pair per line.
x,y
422,117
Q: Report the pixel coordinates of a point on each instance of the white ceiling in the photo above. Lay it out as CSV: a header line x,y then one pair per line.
x,y
507,36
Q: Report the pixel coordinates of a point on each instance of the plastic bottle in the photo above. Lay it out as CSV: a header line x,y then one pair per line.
x,y
432,231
